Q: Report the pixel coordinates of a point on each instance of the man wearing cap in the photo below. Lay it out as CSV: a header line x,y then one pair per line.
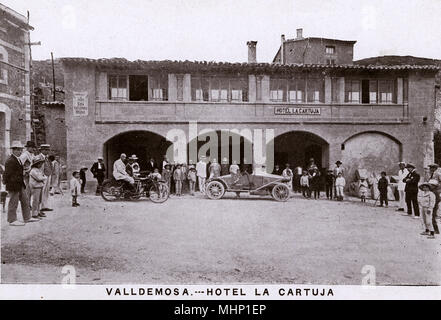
x,y
435,175
47,170
402,173
411,190
120,173
98,169
26,158
14,181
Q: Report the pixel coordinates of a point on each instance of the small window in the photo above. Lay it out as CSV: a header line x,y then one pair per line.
x,y
159,87
352,91
118,87
330,50
199,88
277,90
386,91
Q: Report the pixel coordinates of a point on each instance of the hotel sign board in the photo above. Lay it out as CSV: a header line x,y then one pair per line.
x,y
80,104
297,111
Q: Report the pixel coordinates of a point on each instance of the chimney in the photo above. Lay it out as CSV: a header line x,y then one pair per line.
x,y
252,51
299,34
282,49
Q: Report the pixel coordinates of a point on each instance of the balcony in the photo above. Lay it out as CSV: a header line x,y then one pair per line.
x,y
245,112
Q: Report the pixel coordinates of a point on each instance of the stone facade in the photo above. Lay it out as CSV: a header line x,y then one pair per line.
x,y
15,123
399,130
313,50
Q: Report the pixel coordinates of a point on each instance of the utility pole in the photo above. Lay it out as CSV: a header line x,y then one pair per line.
x,y
53,73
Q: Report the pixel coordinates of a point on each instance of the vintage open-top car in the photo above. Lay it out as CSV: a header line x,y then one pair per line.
x,y
253,184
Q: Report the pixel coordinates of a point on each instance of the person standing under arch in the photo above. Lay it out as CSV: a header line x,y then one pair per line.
x,y
338,170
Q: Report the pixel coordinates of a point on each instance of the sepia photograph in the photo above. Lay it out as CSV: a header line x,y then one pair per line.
x,y
210,149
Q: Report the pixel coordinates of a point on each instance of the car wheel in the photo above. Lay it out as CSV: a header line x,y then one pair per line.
x,y
111,191
280,192
215,190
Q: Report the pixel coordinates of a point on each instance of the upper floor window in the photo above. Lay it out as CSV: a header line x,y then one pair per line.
x,y
297,90
370,91
352,91
118,87
158,85
219,89
330,49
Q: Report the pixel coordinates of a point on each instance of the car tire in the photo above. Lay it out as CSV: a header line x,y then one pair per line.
x,y
215,190
280,192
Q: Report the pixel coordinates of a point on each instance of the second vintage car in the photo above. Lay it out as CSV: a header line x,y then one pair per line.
x,y
254,184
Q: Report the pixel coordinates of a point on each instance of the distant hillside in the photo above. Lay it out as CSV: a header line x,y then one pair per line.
x,y
398,60
42,73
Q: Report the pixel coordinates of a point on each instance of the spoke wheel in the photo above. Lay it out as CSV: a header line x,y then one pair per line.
x,y
280,192
110,192
215,190
159,193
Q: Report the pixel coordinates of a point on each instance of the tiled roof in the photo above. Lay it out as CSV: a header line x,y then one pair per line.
x,y
122,63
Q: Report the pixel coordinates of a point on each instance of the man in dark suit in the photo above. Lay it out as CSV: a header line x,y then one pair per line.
x,y
411,190
151,165
14,181
98,170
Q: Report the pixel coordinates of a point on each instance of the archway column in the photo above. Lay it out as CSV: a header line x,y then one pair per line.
x,y
7,134
335,153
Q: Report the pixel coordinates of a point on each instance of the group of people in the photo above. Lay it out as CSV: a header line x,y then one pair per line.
x,y
310,180
179,177
30,177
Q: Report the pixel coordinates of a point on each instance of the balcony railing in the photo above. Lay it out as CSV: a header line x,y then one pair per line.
x,y
130,111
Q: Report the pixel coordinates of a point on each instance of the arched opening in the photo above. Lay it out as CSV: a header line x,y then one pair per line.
x,y
372,151
144,144
297,147
222,145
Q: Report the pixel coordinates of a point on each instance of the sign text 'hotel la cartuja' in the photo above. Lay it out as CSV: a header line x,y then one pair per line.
x,y
297,111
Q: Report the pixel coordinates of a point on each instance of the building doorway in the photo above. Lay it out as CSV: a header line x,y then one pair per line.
x,y
297,147
144,144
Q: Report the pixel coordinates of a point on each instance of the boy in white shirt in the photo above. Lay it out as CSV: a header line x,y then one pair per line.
x,y
340,183
75,188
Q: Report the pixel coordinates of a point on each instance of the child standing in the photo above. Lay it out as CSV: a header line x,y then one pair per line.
x,y
166,175
75,188
340,183
329,184
37,180
315,182
382,187
363,189
191,178
304,184
155,174
178,176
426,201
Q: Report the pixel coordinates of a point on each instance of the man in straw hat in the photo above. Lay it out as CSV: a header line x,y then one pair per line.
x,y
411,189
338,169
402,173
47,170
427,200
14,181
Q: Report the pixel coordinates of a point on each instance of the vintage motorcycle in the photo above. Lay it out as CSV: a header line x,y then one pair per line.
x,y
114,190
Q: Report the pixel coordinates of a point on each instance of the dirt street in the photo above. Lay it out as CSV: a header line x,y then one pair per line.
x,y
193,240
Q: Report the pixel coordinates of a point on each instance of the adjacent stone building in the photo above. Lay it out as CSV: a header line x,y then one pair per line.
x,y
15,119
368,116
